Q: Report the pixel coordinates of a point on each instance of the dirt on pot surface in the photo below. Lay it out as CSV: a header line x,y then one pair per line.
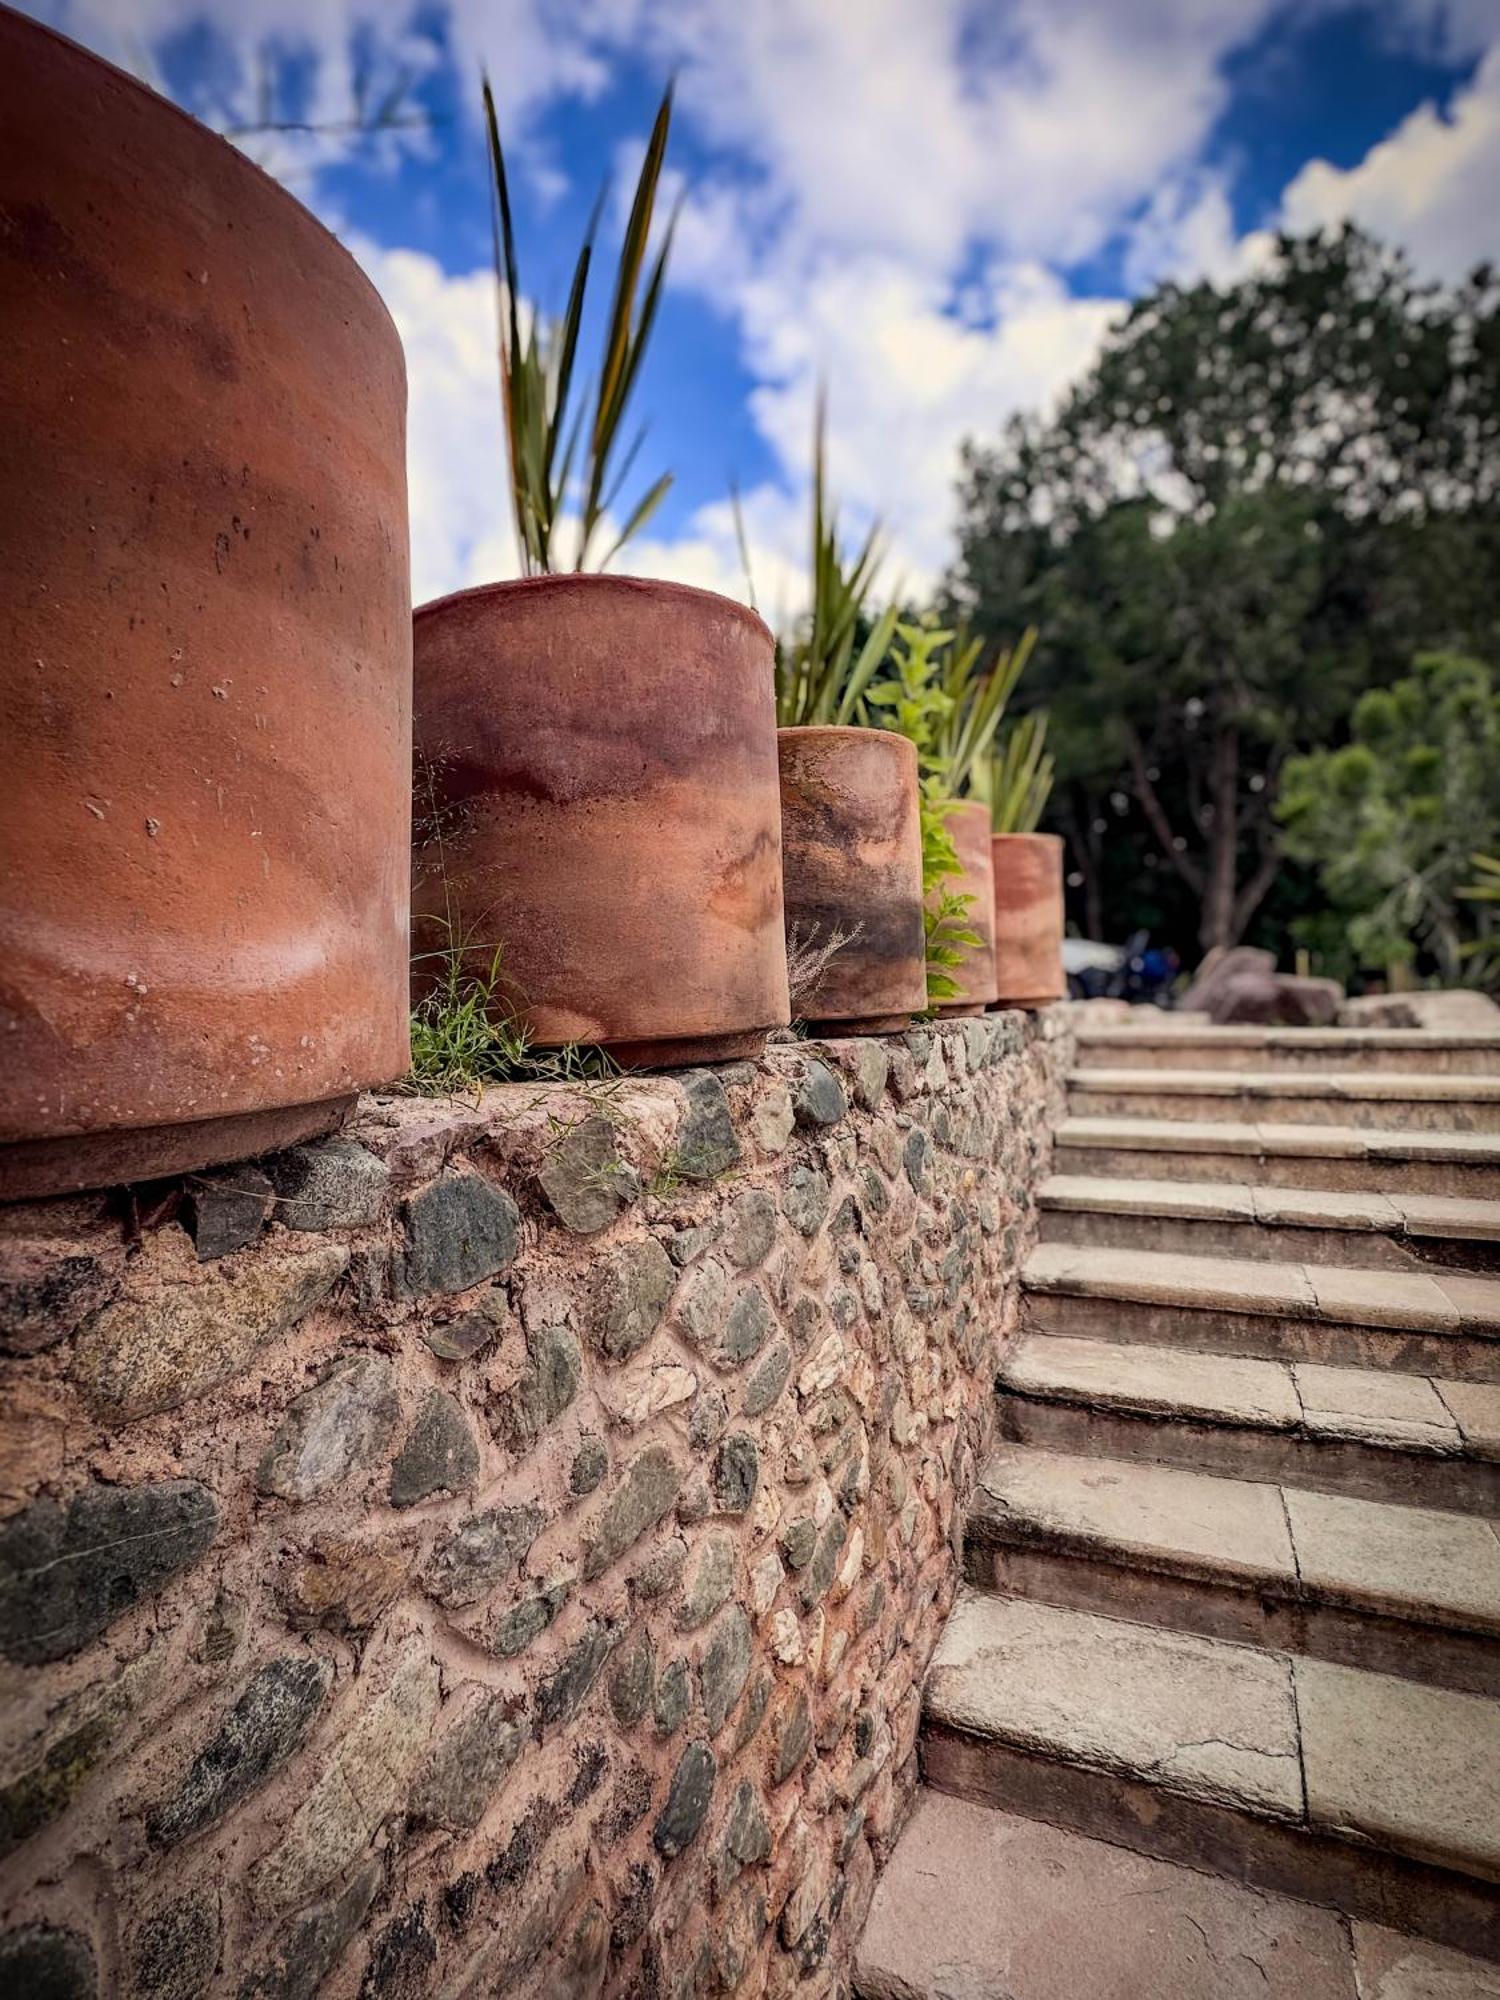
x,y
1028,918
205,608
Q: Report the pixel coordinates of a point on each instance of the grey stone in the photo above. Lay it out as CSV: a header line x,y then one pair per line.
x,y
157,1350
798,1540
687,1800
661,1572
747,1329
468,1765
791,1737
402,1957
804,1200
67,1573
481,1554
459,1231
766,1384
644,1495
343,1422
59,1262
174,1953
746,1838
364,1781
79,1734
709,1583
707,1143
633,1678
332,1184
42,1962
709,1415
314,1942
471,1332
771,1120
819,1099
750,1228
914,1157
547,1385
872,1067
674,1694
736,1473
440,1456
516,1628
590,1463
267,1723
725,1668
564,1692
704,1304
631,1292
584,1179
806,1319
226,1210
683,1245
752,1713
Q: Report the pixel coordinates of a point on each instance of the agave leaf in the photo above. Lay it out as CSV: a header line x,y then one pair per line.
x,y
644,508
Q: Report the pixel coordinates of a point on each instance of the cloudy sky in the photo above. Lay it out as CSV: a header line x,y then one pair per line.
x,y
938,205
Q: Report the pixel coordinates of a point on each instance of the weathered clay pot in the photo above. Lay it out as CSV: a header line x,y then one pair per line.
x,y
596,795
969,824
853,862
1028,919
206,644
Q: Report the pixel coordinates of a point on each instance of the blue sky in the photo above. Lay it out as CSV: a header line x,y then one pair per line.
x,y
939,205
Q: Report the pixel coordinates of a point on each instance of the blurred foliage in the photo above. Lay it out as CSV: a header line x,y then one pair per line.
x,y
1263,501
1391,819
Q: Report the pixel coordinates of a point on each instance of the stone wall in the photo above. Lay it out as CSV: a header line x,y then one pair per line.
x,y
496,1551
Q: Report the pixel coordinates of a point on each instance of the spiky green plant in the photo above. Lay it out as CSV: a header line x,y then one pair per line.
x,y
977,707
1017,781
820,676
544,420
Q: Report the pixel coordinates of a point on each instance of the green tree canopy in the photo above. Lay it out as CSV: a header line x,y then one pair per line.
x,y
1264,499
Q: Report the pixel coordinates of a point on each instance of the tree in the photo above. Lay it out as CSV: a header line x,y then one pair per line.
x,y
1393,819
1264,498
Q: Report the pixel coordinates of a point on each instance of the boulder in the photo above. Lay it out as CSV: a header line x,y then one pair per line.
x,y
1455,1011
1239,986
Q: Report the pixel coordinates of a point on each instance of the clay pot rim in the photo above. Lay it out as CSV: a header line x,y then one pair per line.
x,y
564,582
902,745
207,136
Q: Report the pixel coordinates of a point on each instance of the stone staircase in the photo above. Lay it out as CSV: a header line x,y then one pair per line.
x,y
1218,1709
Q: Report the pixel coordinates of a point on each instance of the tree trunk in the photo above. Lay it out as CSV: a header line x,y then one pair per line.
x,y
1217,925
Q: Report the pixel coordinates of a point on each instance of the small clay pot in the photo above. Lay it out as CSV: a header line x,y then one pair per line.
x,y
205,644
974,976
1028,919
853,867
596,795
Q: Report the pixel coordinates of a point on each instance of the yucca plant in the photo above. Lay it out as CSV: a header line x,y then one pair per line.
x,y
977,704
545,421
1017,781
820,676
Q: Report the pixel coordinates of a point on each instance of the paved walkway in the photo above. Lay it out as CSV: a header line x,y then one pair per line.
x,y
1218,1711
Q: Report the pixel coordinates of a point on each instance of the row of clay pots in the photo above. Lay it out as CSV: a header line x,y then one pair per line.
x,y
208,665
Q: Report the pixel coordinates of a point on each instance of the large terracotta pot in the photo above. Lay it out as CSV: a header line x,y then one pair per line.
x,y
1028,919
206,644
974,976
853,858
596,795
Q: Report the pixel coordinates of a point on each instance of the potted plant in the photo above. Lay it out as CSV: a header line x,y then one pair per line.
x,y
850,819
203,574
596,753
1028,869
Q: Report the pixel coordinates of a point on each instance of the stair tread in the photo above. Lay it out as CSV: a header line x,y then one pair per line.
x,y
1431,1301
1176,1135
1202,1035
976,1902
1381,1407
1394,1763
1456,1216
1357,1085
1415,1563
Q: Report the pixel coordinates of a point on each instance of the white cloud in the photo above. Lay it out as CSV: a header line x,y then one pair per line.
x,y
1429,186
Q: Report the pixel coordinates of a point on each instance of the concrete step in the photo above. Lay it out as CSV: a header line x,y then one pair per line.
x,y
1297,1225
1431,1322
1370,1794
1165,1047
976,1904
1338,1158
1398,1590
1412,1440
1388,1101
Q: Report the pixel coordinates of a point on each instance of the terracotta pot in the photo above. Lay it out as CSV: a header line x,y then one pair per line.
x,y
969,824
854,867
1028,919
206,658
596,794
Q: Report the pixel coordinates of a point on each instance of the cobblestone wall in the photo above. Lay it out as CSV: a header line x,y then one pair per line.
x,y
496,1551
